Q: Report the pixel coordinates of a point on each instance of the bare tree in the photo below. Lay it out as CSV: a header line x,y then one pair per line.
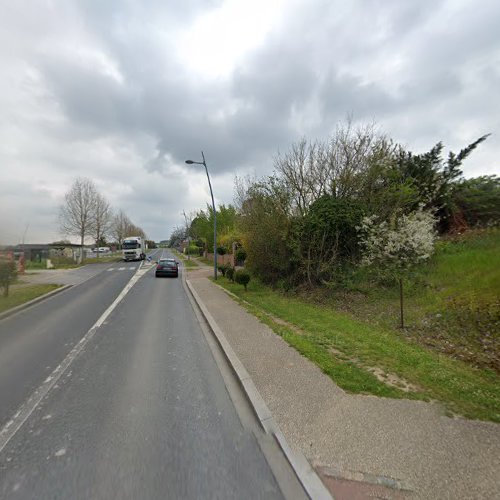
x,y
339,167
103,217
304,170
120,226
77,214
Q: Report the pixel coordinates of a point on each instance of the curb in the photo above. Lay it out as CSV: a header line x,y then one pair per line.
x,y
306,475
32,302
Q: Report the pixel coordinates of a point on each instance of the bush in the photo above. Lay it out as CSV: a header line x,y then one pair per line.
x,y
222,250
8,274
242,277
33,264
240,255
223,269
192,250
230,273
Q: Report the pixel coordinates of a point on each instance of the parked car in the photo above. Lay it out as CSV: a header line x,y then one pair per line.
x,y
167,267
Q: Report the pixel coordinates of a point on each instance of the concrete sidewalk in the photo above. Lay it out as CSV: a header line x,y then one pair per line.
x,y
362,446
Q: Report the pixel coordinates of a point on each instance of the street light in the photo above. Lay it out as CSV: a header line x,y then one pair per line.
x,y
190,162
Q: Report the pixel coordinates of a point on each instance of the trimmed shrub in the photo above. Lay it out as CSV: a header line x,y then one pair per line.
x,y
240,255
242,277
230,273
222,250
222,269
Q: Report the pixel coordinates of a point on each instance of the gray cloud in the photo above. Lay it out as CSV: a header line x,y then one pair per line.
x,y
104,90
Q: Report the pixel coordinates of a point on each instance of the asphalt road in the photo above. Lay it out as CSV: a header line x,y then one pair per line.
x,y
143,410
35,341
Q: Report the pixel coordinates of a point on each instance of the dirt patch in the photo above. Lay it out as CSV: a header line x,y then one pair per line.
x,y
390,379
393,380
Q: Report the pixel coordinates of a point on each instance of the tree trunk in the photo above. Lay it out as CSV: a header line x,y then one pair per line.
x,y
402,324
82,238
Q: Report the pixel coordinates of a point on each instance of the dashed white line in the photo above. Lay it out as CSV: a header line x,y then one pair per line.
x,y
17,421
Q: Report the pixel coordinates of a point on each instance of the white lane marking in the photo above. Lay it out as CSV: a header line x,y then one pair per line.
x,y
121,269
131,268
111,269
16,422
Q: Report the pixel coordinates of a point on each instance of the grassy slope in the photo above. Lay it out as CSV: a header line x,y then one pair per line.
x,y
346,346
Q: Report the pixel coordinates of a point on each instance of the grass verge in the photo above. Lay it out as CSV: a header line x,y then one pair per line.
x,y
451,306
21,295
352,351
187,262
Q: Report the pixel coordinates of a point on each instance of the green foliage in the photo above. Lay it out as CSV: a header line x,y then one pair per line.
x,y
221,250
8,274
193,249
242,277
433,178
32,264
477,201
202,226
230,273
267,232
61,262
240,254
222,269
328,237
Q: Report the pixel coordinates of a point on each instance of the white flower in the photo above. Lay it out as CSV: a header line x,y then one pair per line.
x,y
408,242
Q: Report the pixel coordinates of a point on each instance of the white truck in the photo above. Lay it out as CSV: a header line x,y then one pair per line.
x,y
134,248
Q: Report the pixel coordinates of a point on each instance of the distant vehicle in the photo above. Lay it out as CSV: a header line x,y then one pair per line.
x,y
100,250
167,267
134,248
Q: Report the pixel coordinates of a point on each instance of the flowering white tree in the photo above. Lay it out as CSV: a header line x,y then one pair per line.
x,y
396,247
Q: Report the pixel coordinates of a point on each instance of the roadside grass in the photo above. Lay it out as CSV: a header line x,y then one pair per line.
x,y
204,260
186,262
453,305
23,294
30,264
190,263
67,263
347,349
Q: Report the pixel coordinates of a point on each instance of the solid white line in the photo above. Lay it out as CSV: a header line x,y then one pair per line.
x,y
27,408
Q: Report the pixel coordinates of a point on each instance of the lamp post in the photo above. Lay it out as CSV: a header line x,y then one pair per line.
x,y
190,162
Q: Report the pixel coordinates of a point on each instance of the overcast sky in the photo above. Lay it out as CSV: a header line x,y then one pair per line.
x,y
123,91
